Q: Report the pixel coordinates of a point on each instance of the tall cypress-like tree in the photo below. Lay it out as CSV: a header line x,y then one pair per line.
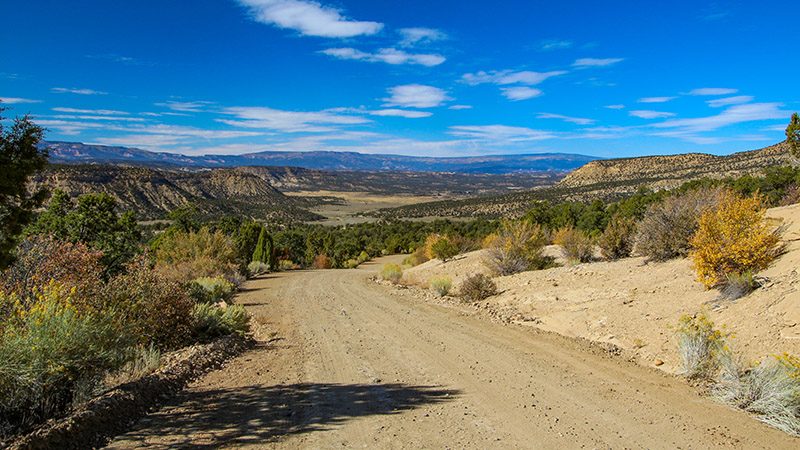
x,y
264,249
793,135
20,158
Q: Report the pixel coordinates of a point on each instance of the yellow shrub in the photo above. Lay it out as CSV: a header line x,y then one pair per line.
x,y
430,241
733,238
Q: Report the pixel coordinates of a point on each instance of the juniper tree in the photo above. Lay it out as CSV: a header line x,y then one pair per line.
x,y
20,158
793,135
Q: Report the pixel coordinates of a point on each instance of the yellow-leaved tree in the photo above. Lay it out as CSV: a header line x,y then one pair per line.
x,y
733,239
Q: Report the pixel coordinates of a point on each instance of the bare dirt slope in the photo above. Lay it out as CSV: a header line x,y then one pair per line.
x,y
355,364
635,305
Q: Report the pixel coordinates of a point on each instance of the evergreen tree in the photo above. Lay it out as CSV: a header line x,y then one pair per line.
x,y
793,135
20,158
264,249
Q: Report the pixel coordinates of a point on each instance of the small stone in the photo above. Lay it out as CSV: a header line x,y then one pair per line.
x,y
658,362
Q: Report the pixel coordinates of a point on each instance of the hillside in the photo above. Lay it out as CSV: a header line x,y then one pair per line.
x,y
79,153
152,193
607,180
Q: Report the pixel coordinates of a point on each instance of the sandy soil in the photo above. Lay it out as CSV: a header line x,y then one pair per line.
x,y
355,364
633,305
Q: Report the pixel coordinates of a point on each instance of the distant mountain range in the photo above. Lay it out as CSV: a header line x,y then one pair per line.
x,y
79,153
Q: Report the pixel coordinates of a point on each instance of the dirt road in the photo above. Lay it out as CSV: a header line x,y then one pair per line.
x,y
354,364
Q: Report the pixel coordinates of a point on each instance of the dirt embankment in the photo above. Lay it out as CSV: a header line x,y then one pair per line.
x,y
633,304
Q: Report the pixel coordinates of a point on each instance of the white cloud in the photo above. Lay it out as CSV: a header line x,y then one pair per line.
x,y
555,44
575,120
655,99
386,55
100,112
733,115
416,96
97,118
713,91
726,101
196,106
500,133
596,62
16,100
647,114
520,93
460,107
61,90
617,106
310,18
393,112
503,77
413,36
145,141
288,121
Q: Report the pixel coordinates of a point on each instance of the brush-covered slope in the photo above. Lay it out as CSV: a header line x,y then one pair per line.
x,y
606,180
152,193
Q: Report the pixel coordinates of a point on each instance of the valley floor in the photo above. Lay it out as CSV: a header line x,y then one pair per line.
x,y
353,363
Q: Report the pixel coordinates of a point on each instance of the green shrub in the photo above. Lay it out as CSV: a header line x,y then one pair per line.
x,y
211,321
518,246
47,349
618,238
667,227
416,258
575,244
211,290
257,268
351,264
477,287
700,346
392,273
287,264
444,249
441,285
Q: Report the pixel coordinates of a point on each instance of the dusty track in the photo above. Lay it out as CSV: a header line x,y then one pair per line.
x,y
356,364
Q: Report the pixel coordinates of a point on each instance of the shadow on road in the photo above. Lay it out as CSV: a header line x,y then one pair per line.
x,y
259,414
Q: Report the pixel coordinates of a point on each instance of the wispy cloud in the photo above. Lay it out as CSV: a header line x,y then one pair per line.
x,y
119,59
414,36
460,107
655,99
16,100
416,96
555,44
309,18
194,106
288,121
713,91
78,91
520,93
575,120
726,101
502,77
386,55
393,112
500,133
648,114
100,112
596,62
733,115
617,106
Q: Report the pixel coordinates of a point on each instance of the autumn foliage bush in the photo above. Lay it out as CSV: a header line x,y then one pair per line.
x,y
516,247
476,288
322,262
184,256
575,244
733,239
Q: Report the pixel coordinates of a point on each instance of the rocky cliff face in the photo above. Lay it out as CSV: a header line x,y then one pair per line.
x,y
152,193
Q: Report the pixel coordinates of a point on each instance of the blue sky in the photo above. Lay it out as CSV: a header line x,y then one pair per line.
x,y
438,78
